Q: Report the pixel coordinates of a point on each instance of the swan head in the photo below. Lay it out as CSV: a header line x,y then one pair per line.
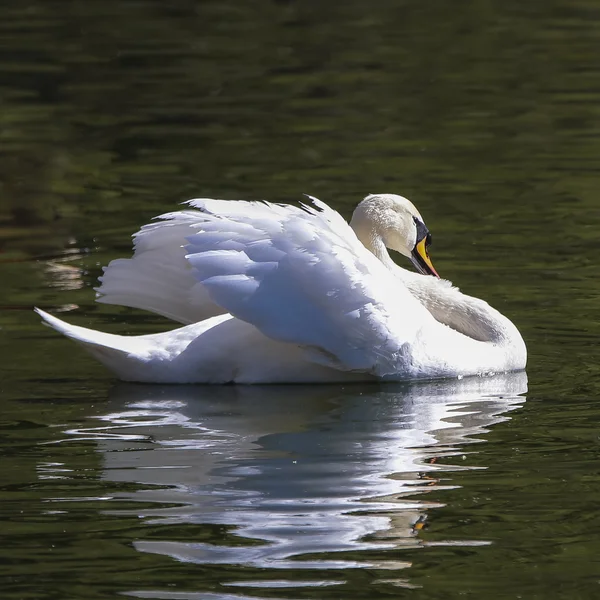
x,y
393,221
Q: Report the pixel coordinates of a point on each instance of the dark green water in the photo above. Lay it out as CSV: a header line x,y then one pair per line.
x,y
486,114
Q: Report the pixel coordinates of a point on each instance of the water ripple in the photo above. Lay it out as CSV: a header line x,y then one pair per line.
x,y
300,475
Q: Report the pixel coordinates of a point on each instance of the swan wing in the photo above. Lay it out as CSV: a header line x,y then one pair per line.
x,y
157,277
301,275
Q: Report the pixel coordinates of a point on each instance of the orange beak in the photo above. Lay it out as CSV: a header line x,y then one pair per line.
x,y
420,258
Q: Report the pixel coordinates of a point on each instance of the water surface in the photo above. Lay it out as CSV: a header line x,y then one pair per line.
x,y
485,115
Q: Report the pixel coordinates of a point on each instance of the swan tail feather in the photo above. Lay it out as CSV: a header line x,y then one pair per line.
x,y
118,353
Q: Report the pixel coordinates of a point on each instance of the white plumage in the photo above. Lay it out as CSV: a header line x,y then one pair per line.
x,y
159,249
299,297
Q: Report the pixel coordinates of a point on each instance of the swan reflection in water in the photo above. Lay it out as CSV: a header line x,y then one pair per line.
x,y
301,469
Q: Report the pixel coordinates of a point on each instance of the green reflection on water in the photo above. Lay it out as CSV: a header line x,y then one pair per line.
x,y
485,115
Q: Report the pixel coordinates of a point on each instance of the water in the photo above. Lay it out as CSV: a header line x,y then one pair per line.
x,y
486,116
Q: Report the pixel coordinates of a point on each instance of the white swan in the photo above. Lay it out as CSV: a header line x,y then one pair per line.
x,y
303,297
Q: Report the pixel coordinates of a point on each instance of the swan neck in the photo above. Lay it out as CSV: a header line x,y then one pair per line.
x,y
371,238
473,329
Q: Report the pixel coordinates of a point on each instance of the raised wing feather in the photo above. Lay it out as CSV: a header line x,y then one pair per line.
x,y
158,277
300,275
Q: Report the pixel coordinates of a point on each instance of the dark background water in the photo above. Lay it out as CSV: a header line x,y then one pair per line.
x,y
485,114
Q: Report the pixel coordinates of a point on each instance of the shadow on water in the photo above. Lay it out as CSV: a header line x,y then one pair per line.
x,y
300,477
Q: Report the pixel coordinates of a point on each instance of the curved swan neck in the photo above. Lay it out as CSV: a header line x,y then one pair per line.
x,y
465,334
367,231
467,315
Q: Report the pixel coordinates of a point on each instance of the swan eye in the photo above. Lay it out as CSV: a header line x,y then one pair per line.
x,y
428,240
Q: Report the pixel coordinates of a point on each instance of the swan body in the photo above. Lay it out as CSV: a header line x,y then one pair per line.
x,y
275,293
